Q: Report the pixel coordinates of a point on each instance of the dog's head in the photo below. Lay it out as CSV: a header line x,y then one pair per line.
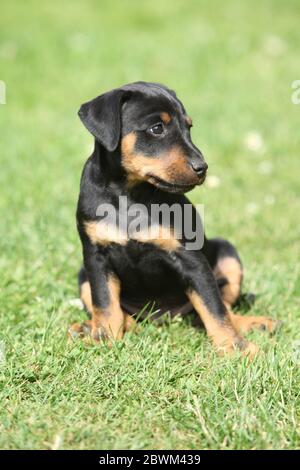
x,y
149,126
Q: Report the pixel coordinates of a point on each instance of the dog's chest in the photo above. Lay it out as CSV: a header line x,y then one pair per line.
x,y
136,222
141,268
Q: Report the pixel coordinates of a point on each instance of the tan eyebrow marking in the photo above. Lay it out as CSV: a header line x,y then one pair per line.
x,y
189,120
165,117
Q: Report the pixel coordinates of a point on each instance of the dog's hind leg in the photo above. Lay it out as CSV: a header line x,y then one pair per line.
x,y
228,271
227,268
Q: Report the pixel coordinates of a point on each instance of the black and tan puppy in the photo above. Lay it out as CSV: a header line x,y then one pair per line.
x,y
144,155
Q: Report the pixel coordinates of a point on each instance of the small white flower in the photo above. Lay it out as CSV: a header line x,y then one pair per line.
x,y
252,208
265,167
270,200
79,42
69,248
212,181
8,50
274,46
254,142
57,442
76,303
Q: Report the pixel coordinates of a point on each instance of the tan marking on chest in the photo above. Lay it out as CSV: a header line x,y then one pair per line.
x,y
101,233
162,237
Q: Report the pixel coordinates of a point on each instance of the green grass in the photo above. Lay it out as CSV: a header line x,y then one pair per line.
x,y
232,63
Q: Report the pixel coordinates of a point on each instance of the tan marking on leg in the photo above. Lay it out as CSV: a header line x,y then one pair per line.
x,y
229,268
130,324
109,322
222,333
86,296
84,330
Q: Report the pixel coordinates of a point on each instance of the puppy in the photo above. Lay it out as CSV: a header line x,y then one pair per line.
x,y
144,158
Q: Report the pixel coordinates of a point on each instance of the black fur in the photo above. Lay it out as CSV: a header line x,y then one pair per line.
x,y
147,273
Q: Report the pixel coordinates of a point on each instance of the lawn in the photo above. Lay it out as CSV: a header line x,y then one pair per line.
x,y
232,64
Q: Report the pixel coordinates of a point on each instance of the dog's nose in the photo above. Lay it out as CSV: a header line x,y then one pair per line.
x,y
199,167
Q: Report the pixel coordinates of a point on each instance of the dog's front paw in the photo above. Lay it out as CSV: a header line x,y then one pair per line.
x,y
80,330
88,332
267,324
247,348
243,323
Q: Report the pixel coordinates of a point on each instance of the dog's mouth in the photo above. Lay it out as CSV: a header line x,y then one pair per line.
x,y
173,187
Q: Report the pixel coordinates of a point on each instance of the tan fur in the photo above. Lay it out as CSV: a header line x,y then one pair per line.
x,y
164,238
189,121
84,330
113,321
75,330
223,334
130,324
103,234
109,322
229,268
170,166
165,117
99,232
85,295
244,324
80,330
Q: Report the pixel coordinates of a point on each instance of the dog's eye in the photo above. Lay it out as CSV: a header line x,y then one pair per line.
x,y
157,129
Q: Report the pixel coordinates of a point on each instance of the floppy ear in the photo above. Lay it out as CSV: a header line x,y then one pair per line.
x,y
102,117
